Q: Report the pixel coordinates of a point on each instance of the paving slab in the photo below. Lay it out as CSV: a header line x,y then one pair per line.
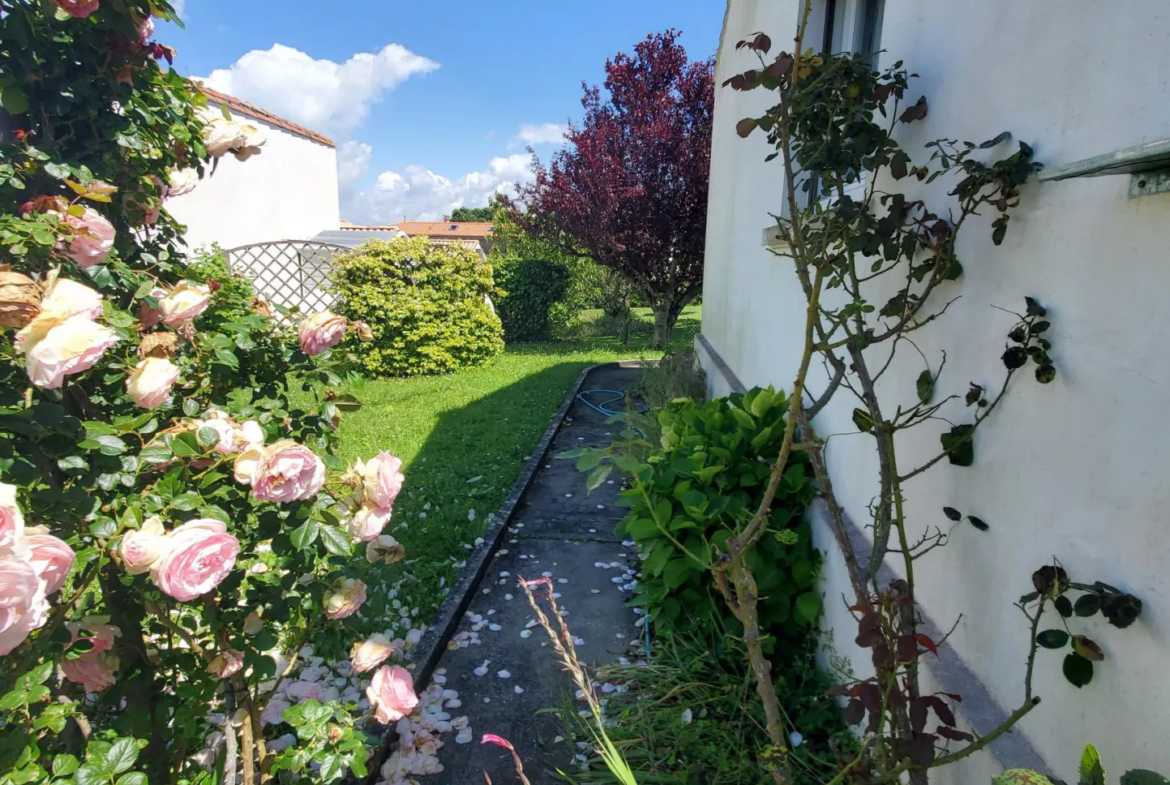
x,y
506,673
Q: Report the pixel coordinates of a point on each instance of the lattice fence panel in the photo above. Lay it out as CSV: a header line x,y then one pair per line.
x,y
291,273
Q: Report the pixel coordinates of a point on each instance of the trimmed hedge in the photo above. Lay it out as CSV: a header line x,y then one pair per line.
x,y
531,288
427,305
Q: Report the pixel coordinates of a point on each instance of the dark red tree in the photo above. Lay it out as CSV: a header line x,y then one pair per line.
x,y
629,188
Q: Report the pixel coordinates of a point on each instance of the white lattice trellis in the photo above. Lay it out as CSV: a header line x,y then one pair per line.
x,y
291,273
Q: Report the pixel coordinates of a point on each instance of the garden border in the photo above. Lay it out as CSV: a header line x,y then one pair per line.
x,y
433,644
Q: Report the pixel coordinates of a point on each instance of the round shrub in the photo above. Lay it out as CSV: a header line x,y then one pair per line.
x,y
532,287
428,306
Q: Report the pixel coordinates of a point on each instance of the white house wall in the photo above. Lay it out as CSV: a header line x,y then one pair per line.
x,y
287,192
1078,470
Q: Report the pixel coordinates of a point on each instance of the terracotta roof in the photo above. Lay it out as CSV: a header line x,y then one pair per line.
x,y
477,230
251,110
436,230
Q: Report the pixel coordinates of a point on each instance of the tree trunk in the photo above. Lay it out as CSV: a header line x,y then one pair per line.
x,y
665,315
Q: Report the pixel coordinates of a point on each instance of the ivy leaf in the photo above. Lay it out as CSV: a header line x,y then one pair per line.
x,y
1077,670
64,765
808,607
122,755
1052,639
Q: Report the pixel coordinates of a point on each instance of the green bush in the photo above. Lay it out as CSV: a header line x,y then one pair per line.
x,y
693,491
233,294
427,306
531,288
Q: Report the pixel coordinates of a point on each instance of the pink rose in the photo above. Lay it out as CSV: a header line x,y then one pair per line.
x,y
382,479
65,298
22,601
391,693
181,182
320,332
253,140
344,598
142,548
98,631
95,672
147,315
220,135
368,522
197,556
11,519
149,384
69,348
145,31
386,549
226,664
371,653
287,472
93,238
77,8
52,558
184,303
224,429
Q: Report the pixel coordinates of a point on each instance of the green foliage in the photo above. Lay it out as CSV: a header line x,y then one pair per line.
x,y
233,297
1090,771
531,288
474,214
687,715
693,490
327,739
427,305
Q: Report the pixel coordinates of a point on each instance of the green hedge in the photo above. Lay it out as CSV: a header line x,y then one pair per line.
x,y
531,288
427,305
694,490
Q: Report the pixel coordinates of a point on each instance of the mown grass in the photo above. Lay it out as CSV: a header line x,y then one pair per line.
x,y
464,439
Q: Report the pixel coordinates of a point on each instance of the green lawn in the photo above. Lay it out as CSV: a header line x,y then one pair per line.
x,y
464,438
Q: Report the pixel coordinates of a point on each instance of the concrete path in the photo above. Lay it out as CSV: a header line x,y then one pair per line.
x,y
562,531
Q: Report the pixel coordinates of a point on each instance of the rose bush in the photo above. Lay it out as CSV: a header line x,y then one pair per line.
x,y
169,542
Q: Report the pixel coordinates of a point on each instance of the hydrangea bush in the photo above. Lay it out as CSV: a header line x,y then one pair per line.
x,y
170,538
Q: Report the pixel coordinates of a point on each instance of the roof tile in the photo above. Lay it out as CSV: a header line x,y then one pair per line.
x,y
251,110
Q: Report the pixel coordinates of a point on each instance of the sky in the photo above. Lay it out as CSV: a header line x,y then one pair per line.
x,y
432,104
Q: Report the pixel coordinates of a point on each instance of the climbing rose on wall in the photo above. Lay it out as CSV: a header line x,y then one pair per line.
x,y
77,8
11,518
94,238
344,599
142,548
184,304
281,472
371,653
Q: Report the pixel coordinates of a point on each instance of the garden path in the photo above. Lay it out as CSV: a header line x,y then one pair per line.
x,y
559,530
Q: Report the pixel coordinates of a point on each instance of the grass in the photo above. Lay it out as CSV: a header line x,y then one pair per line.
x,y
464,439
690,716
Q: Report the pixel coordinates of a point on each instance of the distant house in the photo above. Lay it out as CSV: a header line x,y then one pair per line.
x,y
287,192
476,235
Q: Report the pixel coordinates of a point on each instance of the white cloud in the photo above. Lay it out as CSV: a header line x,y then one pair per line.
x,y
545,133
421,195
353,160
332,98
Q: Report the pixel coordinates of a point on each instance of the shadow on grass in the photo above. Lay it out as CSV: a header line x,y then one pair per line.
x,y
460,475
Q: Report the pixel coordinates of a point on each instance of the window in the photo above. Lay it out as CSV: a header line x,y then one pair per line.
x,y
849,25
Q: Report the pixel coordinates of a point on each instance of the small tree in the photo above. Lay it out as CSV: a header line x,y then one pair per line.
x,y
630,187
461,214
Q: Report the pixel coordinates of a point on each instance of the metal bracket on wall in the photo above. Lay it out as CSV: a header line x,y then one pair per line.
x,y
1148,166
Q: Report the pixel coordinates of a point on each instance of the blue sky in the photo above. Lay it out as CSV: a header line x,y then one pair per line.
x,y
431,103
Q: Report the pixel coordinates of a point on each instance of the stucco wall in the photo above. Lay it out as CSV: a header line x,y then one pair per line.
x,y
1077,469
288,192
